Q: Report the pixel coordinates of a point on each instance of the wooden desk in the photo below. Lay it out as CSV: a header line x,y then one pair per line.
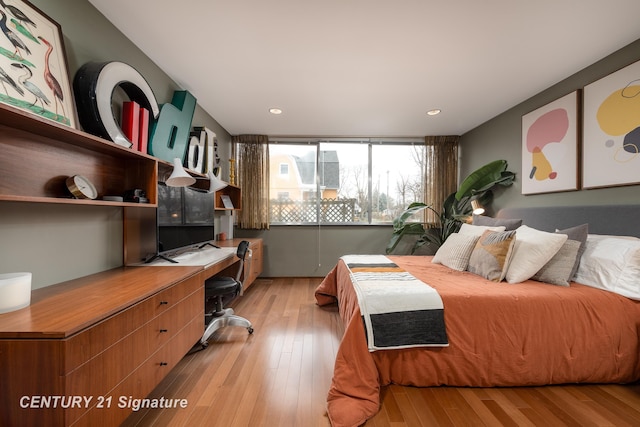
x,y
97,342
254,265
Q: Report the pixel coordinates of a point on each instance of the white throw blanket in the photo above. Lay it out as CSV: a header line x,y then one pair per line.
x,y
399,311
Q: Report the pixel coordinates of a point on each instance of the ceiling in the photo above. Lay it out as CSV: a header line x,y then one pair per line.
x,y
369,67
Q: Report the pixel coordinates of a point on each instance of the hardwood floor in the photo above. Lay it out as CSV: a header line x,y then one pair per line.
x,y
280,375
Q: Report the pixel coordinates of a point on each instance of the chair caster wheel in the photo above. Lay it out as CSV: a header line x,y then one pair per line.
x,y
250,330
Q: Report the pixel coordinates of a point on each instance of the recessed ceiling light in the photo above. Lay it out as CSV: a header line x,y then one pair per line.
x,y
275,111
434,112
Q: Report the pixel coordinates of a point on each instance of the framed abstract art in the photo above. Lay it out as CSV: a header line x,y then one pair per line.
x,y
550,147
34,75
611,147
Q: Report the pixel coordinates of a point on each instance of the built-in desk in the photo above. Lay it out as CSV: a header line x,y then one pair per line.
x,y
253,267
85,349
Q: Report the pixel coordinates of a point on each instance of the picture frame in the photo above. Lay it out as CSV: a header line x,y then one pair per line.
x,y
611,147
226,201
34,73
550,146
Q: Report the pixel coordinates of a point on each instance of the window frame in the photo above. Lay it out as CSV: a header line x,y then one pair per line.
x,y
371,142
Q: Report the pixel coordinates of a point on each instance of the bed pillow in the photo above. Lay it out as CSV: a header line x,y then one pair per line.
x,y
508,224
532,250
455,251
611,263
477,230
490,257
563,266
579,233
559,269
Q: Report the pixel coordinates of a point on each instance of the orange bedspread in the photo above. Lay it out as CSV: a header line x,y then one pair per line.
x,y
499,335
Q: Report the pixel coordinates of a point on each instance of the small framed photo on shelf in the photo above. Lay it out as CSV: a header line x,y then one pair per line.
x,y
33,64
226,201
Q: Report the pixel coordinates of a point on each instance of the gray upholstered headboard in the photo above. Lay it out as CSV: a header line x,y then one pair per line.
x,y
622,220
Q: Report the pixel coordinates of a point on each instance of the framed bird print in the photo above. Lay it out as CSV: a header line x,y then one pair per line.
x,y
33,65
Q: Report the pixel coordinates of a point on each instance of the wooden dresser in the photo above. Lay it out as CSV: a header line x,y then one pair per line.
x,y
84,350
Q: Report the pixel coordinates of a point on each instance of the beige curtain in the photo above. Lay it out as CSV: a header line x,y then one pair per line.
x,y
252,159
441,176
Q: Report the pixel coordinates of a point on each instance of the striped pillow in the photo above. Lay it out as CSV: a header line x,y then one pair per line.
x,y
455,251
491,255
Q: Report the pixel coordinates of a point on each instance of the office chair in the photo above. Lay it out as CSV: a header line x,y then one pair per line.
x,y
220,290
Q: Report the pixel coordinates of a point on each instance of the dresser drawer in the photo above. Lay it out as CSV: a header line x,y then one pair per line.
x,y
94,337
91,342
108,368
101,374
119,402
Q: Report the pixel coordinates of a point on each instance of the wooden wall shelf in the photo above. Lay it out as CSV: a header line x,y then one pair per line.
x,y
39,154
234,194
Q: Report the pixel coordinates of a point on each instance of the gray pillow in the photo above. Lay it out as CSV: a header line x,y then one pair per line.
x,y
508,224
558,271
579,233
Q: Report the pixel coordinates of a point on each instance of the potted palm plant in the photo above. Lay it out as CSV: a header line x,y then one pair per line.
x,y
456,208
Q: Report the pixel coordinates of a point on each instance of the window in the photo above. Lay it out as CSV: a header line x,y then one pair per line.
x,y
344,182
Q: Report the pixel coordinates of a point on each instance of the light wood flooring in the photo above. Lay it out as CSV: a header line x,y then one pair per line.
x,y
280,375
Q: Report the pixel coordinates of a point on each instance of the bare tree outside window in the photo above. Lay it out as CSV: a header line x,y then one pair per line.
x,y
341,185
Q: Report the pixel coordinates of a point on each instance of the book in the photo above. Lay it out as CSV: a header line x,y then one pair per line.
x,y
143,134
131,121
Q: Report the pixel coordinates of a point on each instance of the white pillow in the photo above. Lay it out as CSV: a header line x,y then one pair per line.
x,y
455,251
532,250
477,230
611,263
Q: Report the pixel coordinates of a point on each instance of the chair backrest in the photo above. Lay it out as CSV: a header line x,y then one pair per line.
x,y
241,253
242,249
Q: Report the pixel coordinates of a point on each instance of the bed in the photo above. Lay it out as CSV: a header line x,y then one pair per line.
x,y
497,333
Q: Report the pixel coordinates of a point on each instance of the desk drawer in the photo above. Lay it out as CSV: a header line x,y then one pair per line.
x,y
104,371
144,379
91,342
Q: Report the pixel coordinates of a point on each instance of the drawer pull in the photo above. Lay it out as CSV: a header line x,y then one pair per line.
x,y
164,302
164,330
163,363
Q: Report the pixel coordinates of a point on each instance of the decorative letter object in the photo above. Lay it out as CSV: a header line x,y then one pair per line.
x,y
94,84
209,147
169,138
196,153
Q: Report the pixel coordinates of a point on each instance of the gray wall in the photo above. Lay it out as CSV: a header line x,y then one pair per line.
x,y
292,251
500,138
58,243
306,251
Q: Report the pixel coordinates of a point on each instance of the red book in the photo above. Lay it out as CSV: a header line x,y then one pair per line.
x,y
143,134
131,121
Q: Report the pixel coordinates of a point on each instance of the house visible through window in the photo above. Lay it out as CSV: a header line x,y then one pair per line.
x,y
344,182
